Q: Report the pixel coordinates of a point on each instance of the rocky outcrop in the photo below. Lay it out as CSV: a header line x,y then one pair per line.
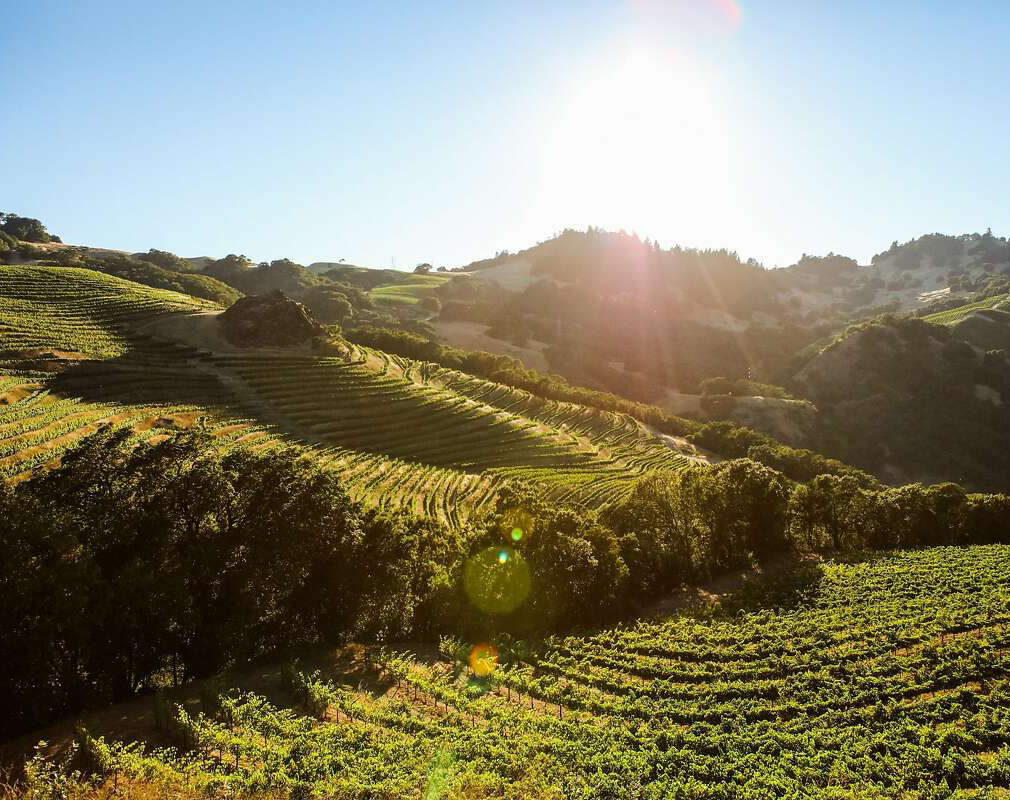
x,y
269,320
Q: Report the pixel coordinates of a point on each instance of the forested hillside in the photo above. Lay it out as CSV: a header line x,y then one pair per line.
x,y
710,337
910,400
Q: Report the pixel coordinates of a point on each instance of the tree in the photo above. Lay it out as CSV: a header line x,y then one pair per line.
x,y
825,512
328,304
228,268
164,259
423,269
26,229
658,534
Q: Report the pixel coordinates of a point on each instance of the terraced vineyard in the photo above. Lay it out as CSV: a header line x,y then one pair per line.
x,y
887,678
76,353
953,315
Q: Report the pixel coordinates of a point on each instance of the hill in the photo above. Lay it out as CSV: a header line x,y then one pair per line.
x,y
615,313
911,400
156,269
611,311
879,678
211,488
401,433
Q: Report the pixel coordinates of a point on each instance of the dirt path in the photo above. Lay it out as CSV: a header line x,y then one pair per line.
x,y
720,587
683,447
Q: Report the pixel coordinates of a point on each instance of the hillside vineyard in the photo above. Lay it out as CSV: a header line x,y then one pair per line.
x,y
401,433
887,678
325,566
505,401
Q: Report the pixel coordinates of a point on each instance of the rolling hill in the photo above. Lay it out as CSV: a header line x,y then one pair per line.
x,y
908,399
80,349
691,626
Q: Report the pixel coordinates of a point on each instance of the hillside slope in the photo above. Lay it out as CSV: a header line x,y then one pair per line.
x,y
883,678
402,433
909,400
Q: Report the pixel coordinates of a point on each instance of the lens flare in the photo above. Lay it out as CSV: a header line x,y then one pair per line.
x,y
483,659
497,580
517,534
440,774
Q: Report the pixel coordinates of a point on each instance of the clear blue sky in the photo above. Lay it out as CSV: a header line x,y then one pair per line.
x,y
442,132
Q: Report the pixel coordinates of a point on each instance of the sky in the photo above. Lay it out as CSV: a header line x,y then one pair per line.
x,y
390,133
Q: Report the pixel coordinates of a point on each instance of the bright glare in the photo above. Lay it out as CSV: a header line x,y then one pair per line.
x,y
483,659
638,141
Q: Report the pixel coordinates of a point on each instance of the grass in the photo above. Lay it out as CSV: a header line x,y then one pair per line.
x,y
410,291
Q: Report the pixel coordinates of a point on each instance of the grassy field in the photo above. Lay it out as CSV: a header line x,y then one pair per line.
x,y
887,677
402,434
409,292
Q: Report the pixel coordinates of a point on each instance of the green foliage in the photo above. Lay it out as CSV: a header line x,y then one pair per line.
x,y
886,677
676,528
283,275
904,397
165,260
367,279
600,299
602,260
943,249
742,388
230,269
25,229
331,301
175,550
733,441
149,274
8,245
718,406
329,304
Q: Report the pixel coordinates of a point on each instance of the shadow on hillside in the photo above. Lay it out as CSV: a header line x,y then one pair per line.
x,y
786,582
795,585
133,720
139,378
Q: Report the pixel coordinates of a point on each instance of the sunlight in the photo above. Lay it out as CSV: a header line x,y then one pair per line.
x,y
638,139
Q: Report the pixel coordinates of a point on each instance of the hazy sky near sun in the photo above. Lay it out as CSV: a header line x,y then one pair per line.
x,y
443,132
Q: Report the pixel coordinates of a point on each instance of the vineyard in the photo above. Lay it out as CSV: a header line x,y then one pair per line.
x,y
75,354
954,315
885,678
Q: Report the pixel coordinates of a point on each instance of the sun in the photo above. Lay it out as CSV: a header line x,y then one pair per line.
x,y
636,139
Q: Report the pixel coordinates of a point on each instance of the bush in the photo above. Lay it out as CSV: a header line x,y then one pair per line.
x,y
798,464
716,386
